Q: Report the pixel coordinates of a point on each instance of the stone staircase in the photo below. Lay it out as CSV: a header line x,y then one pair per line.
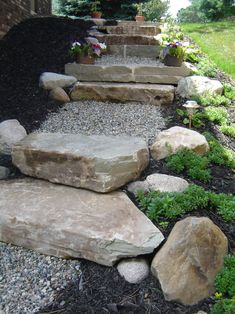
x,y
131,70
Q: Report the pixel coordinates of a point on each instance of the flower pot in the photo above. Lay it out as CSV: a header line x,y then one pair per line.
x,y
85,59
172,61
139,18
96,15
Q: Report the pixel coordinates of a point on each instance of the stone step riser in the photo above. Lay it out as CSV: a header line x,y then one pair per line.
x,y
127,73
131,30
109,39
150,51
152,94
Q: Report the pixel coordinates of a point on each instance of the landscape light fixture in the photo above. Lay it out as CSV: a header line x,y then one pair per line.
x,y
191,106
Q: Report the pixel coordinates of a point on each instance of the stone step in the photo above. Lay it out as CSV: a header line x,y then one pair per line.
x,y
126,39
133,29
124,92
158,74
68,222
145,51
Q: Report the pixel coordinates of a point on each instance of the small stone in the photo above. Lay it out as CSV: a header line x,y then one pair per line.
x,y
59,94
159,182
134,270
201,312
198,86
4,173
49,80
171,141
11,132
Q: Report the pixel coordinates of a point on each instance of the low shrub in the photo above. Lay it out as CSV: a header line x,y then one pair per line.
x,y
164,206
212,100
225,286
228,129
229,91
219,115
206,68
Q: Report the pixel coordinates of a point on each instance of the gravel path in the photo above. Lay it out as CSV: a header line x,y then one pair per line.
x,y
91,117
29,281
110,59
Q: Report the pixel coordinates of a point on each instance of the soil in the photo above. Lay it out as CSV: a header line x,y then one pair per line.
x,y
41,44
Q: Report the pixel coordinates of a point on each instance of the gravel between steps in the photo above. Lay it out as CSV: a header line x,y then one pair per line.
x,y
29,280
111,59
91,117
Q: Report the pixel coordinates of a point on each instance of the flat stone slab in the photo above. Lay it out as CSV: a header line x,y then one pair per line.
x,y
123,92
128,73
132,29
150,51
68,222
98,163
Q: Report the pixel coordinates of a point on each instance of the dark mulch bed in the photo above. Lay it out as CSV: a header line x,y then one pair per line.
x,y
41,44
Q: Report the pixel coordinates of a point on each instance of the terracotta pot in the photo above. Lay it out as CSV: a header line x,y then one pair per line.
x,y
172,61
85,59
139,18
96,15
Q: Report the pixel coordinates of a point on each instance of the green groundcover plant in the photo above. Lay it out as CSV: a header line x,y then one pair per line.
x,y
225,287
164,206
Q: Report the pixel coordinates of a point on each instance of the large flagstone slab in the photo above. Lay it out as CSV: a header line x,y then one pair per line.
x,y
67,222
98,163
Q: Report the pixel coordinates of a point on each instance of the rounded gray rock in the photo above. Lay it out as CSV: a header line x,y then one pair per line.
x,y
134,270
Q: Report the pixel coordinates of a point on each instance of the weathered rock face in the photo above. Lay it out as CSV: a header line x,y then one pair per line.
x,y
98,163
159,182
4,173
189,261
171,141
197,86
68,222
11,131
134,270
50,80
59,94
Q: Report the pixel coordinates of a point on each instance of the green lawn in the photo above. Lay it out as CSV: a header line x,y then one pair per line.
x,y
217,40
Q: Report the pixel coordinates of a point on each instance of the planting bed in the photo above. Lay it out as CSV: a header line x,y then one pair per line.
x,y
93,288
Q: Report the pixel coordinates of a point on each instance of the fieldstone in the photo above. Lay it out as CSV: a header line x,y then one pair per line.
x,y
98,163
171,141
59,94
50,80
67,222
4,172
201,312
159,182
187,264
134,270
198,86
11,131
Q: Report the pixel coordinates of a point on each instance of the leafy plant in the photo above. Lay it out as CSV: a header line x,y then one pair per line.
x,y
217,115
212,100
225,285
197,118
206,68
164,206
229,91
95,6
228,129
175,49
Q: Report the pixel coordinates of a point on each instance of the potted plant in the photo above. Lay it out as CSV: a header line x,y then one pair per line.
x,y
173,54
86,51
140,12
96,10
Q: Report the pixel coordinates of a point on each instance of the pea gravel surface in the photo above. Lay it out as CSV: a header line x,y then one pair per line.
x,y
112,60
30,281
103,118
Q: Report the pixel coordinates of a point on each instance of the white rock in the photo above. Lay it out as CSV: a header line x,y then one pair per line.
x,y
4,173
197,86
11,132
50,80
134,270
97,163
68,222
59,94
170,141
159,182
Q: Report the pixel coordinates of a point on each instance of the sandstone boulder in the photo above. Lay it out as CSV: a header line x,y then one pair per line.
x,y
11,131
59,94
67,222
159,182
98,163
171,141
4,173
134,270
50,80
197,86
187,264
